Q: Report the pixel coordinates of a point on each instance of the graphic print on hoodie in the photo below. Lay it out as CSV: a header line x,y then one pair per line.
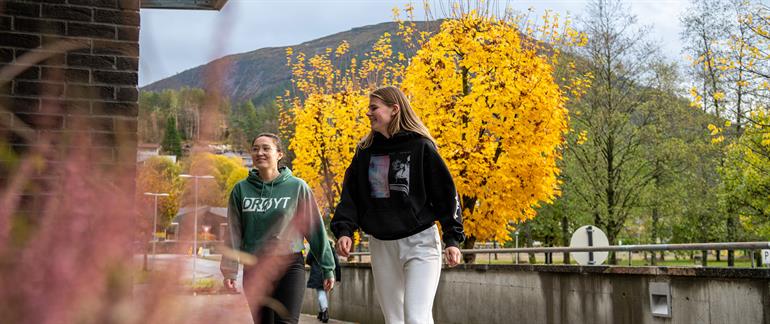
x,y
389,172
398,187
262,205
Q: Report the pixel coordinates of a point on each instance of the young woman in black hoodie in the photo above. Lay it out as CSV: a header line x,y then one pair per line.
x,y
395,189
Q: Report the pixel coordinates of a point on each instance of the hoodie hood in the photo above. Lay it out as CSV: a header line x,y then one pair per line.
x,y
399,137
284,173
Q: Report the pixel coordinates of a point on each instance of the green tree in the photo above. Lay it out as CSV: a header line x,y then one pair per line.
x,y
728,41
608,119
149,123
746,177
682,190
242,125
187,106
172,142
246,120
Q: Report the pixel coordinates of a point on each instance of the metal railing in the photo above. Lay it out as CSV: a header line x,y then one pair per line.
x,y
751,246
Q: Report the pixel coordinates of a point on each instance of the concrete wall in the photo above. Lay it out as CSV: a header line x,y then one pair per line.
x,y
568,294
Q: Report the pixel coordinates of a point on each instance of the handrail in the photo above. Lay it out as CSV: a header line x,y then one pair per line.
x,y
751,246
629,248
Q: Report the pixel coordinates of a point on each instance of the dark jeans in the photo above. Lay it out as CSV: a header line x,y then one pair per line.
x,y
289,291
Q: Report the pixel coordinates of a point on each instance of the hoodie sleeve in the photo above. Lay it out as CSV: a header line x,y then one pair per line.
x,y
234,235
316,233
442,194
345,220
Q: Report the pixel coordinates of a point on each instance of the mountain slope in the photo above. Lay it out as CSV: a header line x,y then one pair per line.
x,y
262,74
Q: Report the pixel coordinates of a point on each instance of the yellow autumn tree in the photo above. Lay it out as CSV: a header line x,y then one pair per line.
x,y
327,111
227,171
158,175
328,128
489,98
486,92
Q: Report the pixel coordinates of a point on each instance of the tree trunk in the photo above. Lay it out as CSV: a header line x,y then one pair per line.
x,y
704,258
469,258
758,259
564,236
548,256
528,241
730,237
655,219
612,258
610,190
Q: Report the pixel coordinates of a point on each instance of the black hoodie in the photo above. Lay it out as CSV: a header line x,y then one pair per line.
x,y
397,187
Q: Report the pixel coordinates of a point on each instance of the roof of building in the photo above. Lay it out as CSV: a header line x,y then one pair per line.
x,y
218,211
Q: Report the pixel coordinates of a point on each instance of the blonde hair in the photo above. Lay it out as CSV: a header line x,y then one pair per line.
x,y
406,119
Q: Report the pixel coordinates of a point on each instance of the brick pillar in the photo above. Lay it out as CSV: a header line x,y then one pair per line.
x,y
68,77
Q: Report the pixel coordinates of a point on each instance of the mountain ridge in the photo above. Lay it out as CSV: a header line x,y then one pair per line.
x,y
262,74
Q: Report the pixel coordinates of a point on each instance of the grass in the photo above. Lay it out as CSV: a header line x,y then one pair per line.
x,y
689,263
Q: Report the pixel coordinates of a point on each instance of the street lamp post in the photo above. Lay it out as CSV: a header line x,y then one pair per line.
x,y
517,246
195,224
155,222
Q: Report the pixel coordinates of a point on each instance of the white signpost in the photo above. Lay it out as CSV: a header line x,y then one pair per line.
x,y
765,256
589,235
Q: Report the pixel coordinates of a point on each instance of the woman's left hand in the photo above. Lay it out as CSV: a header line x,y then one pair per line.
x,y
453,256
328,284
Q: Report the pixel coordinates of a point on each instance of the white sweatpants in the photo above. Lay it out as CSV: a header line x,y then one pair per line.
x,y
406,274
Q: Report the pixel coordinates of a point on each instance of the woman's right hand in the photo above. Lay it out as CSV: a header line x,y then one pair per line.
x,y
343,246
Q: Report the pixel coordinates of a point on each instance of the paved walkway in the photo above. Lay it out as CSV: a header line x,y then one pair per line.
x,y
228,309
208,308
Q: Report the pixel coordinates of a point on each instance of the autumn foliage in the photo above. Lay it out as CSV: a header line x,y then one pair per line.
x,y
498,116
486,91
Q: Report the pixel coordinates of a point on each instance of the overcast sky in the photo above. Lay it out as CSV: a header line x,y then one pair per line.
x,y
172,41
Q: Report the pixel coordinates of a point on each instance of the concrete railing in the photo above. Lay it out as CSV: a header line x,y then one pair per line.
x,y
571,294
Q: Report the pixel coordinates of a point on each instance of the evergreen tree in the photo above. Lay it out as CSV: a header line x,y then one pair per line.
x,y
172,141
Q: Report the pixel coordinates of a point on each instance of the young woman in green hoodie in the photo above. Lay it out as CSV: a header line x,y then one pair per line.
x,y
269,214
395,189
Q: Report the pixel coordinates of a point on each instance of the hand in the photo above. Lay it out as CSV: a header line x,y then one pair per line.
x,y
343,246
229,284
453,256
328,284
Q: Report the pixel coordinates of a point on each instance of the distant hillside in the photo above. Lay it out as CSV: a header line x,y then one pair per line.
x,y
262,74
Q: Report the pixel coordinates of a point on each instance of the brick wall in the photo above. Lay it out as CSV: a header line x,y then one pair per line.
x,y
68,77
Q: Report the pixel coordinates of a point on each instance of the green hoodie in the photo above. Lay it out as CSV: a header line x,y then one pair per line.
x,y
280,210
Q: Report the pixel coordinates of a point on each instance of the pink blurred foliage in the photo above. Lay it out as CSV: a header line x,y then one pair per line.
x,y
73,254
68,258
